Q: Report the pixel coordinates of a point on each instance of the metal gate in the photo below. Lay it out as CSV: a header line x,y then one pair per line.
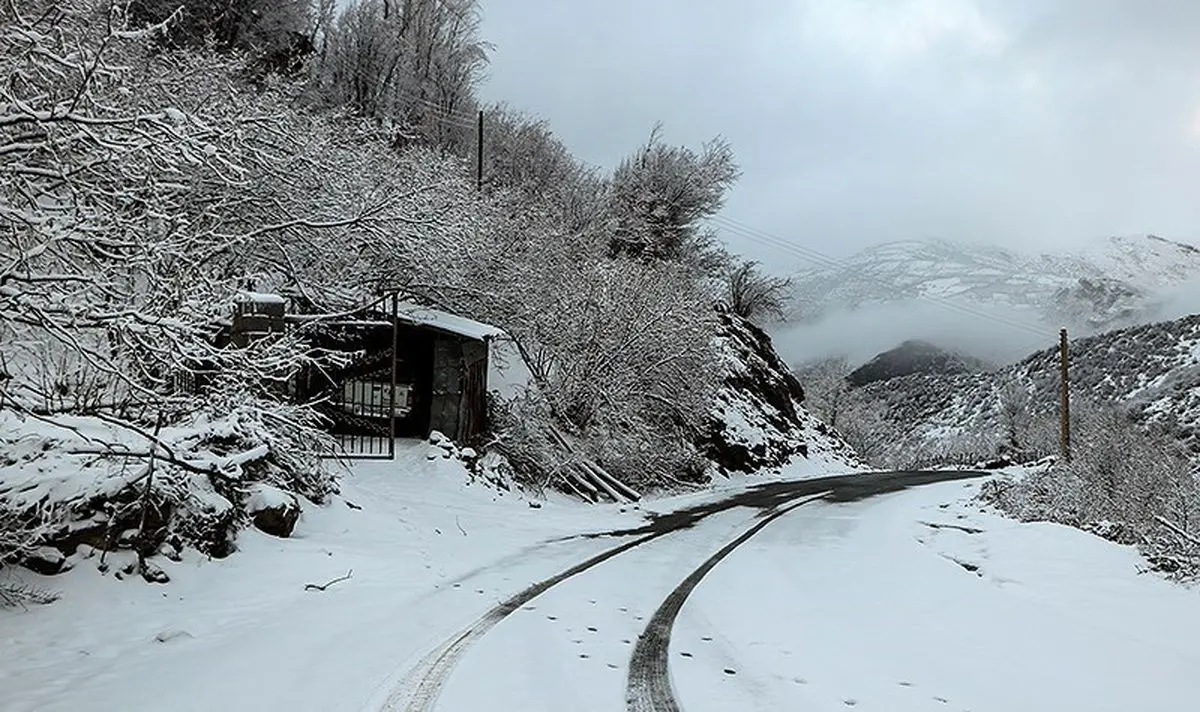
x,y
361,399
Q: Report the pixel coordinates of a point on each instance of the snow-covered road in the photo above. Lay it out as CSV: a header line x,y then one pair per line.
x,y
907,601
913,600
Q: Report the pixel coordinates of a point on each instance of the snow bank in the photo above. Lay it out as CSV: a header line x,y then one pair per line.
x,y
98,482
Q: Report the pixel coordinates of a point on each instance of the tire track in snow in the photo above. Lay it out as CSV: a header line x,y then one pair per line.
x,y
419,690
421,687
648,687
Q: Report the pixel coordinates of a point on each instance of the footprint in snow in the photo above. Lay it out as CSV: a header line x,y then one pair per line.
x,y
551,618
904,683
707,638
850,702
685,655
943,700
730,671
592,629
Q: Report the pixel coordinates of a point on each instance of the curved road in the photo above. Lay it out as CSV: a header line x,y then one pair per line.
x,y
648,683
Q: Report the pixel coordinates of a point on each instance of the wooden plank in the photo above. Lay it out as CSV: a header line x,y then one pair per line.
x,y
603,475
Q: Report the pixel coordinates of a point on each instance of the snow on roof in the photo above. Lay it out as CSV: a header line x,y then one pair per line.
x,y
259,298
418,315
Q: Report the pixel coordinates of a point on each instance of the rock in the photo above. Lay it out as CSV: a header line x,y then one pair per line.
x,y
533,504
168,550
437,437
91,532
272,510
468,454
153,574
46,560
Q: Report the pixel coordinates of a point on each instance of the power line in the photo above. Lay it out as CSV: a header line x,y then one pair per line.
x,y
450,116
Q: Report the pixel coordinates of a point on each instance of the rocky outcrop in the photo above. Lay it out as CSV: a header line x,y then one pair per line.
x,y
758,419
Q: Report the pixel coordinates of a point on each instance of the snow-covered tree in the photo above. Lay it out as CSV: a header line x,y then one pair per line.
x,y
410,64
826,390
127,207
662,194
522,154
755,295
274,34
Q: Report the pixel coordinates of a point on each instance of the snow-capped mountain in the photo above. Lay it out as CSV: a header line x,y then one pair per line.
x,y
1119,282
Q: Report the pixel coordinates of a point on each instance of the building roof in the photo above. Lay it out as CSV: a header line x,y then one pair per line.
x,y
418,315
258,297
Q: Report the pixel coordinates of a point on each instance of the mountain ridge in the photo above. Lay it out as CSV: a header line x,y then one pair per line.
x,y
1121,281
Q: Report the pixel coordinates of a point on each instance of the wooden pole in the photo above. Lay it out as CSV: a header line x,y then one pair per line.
x,y
1065,405
479,153
391,449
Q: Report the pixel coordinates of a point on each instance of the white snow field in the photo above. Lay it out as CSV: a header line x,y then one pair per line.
x,y
866,605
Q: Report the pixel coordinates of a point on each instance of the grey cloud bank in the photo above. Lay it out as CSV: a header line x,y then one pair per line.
x,y
1027,124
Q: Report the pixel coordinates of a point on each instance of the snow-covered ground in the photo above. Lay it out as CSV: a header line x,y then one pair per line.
x,y
921,601
867,605
243,633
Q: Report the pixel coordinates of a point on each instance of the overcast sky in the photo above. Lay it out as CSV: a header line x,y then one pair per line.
x,y
1028,123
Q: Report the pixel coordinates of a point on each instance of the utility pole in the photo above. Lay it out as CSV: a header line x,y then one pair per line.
x,y
1065,405
479,153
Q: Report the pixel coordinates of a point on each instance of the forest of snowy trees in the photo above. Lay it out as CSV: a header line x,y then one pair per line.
x,y
158,156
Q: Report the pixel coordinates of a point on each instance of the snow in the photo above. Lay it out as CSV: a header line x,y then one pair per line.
x,y
242,633
871,606
508,376
418,315
259,298
864,605
265,497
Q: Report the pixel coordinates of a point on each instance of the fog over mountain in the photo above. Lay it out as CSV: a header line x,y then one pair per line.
x,y
992,303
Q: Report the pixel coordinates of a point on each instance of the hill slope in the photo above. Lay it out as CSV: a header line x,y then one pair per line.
x,y
1153,370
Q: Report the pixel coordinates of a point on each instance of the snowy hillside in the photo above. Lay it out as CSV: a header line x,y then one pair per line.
x,y
1153,369
1121,281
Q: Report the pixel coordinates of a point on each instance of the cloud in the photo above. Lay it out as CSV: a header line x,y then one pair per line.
x,y
887,31
860,334
1026,123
